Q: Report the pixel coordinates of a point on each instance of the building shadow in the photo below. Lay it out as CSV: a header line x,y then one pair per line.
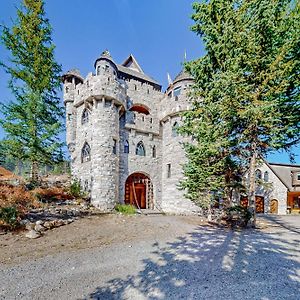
x,y
290,226
213,263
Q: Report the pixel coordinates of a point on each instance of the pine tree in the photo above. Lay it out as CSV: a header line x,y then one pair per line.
x,y
250,74
33,121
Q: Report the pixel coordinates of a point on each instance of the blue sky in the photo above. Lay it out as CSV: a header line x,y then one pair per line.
x,y
156,32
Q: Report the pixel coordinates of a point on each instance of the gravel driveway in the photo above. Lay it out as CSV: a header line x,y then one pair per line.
x,y
157,257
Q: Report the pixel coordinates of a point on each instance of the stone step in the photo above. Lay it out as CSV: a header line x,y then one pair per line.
x,y
149,212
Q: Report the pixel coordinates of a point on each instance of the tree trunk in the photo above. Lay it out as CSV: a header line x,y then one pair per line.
x,y
252,187
34,171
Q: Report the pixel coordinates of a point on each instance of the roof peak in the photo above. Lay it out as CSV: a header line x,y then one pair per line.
x,y
131,63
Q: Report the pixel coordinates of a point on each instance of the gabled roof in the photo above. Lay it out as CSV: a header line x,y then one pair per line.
x,y
132,63
131,67
283,172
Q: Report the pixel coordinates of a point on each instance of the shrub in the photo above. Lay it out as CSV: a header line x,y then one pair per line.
x,y
9,216
238,216
75,189
125,209
51,194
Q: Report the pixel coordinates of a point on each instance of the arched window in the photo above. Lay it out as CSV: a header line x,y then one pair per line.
x,y
85,153
266,176
258,174
126,147
174,129
140,149
154,151
85,116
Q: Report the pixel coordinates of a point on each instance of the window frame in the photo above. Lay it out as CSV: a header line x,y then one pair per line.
x,y
140,147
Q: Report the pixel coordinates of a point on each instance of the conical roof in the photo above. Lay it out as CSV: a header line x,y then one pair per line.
x,y
105,55
183,75
73,72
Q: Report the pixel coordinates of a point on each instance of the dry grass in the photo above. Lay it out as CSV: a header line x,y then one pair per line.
x,y
21,200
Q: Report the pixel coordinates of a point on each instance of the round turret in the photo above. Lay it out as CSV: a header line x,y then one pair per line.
x,y
104,65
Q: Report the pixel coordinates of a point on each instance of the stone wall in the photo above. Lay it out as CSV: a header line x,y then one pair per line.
x,y
173,158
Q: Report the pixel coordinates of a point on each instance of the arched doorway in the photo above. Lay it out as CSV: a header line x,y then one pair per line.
x,y
274,206
139,191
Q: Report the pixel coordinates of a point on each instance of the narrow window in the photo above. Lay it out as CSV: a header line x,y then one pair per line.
x,y
177,91
298,176
67,89
174,129
85,116
148,92
87,84
140,149
151,120
135,87
266,176
126,147
85,153
69,117
98,70
78,92
86,185
154,151
258,174
114,146
143,118
168,170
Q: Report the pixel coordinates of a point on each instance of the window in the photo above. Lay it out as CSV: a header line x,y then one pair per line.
x,y
140,149
298,176
174,129
85,116
114,146
154,151
177,91
126,147
86,185
85,153
67,89
69,117
135,87
266,176
98,70
168,170
258,174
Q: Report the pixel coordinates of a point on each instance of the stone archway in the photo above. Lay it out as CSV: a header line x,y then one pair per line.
x,y
139,191
274,206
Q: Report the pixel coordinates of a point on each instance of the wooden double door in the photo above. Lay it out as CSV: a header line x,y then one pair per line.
x,y
259,203
136,190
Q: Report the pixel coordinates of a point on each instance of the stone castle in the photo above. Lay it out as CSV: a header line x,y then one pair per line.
x,y
122,135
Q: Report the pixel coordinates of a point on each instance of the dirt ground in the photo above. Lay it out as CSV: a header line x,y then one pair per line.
x,y
91,232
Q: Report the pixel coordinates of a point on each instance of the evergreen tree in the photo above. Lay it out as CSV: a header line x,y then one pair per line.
x,y
33,121
250,75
